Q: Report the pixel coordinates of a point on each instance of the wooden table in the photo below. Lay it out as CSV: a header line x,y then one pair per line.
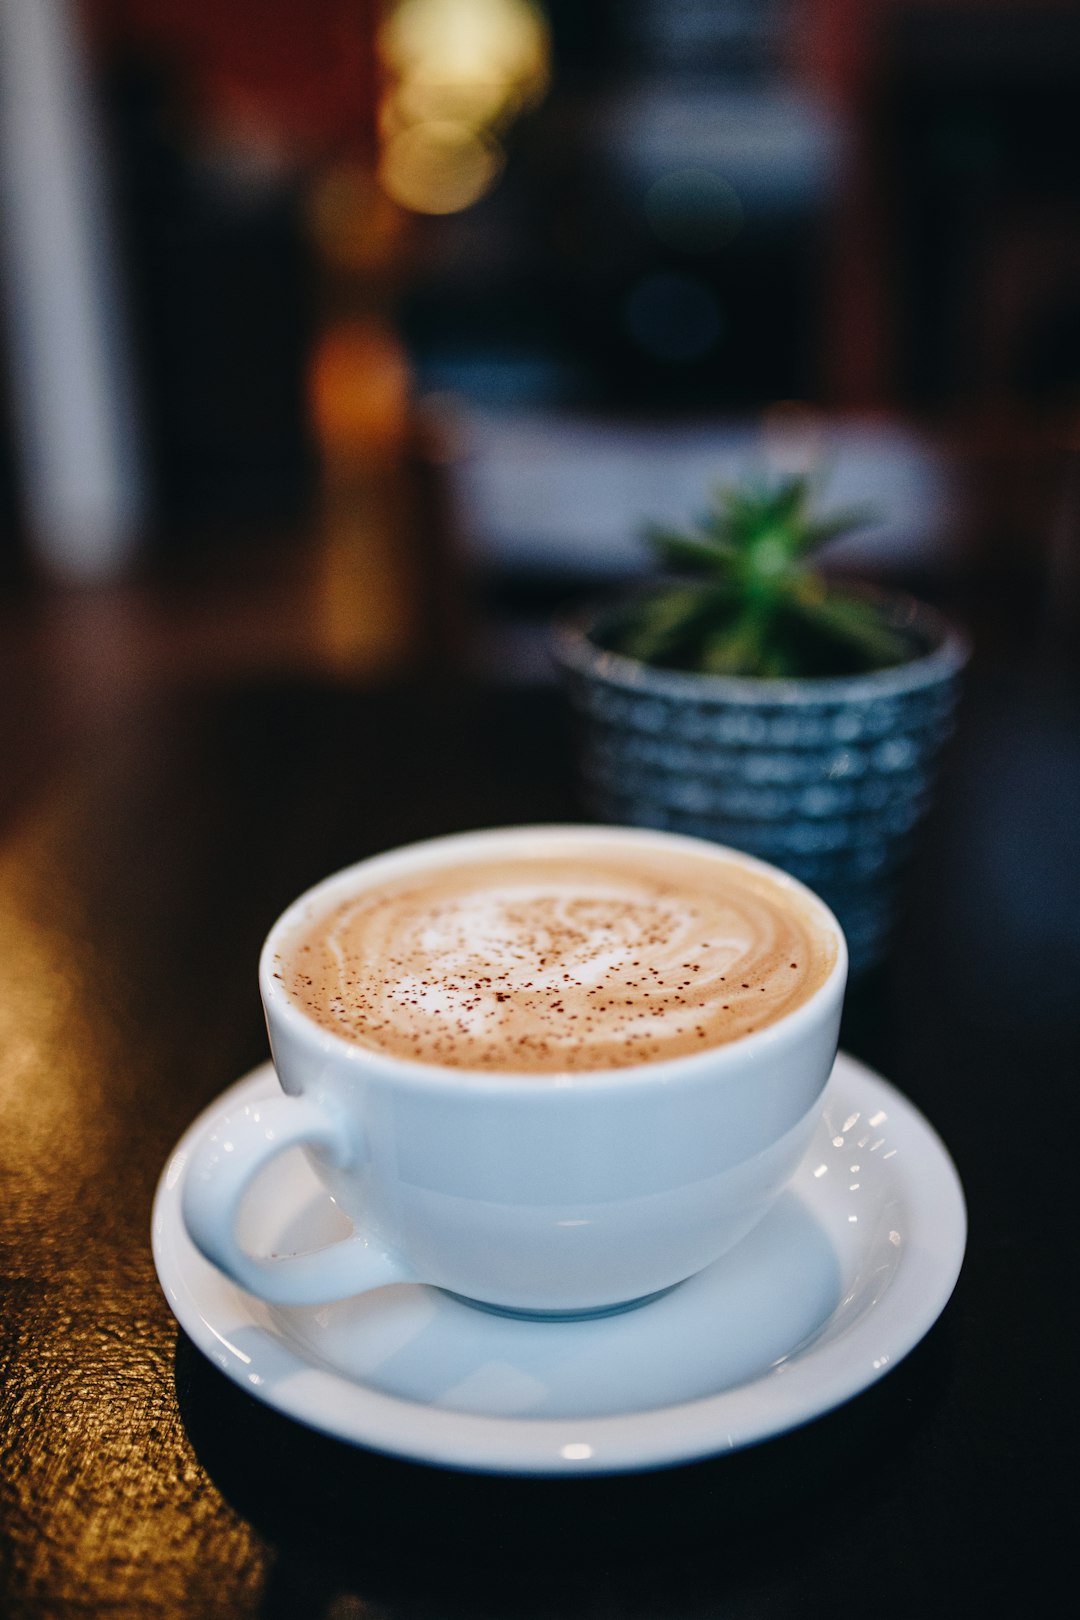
x,y
137,1481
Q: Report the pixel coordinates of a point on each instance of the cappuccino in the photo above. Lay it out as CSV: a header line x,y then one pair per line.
x,y
559,959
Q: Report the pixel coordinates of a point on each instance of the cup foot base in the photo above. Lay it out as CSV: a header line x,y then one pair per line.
x,y
585,1315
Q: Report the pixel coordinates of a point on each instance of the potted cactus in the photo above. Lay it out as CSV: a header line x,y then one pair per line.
x,y
746,698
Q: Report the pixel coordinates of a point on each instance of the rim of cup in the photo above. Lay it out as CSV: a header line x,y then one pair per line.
x,y
432,853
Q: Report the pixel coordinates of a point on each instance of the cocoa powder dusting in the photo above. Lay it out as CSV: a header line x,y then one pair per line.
x,y
544,964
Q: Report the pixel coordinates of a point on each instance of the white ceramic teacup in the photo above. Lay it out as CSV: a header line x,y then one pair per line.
x,y
551,1194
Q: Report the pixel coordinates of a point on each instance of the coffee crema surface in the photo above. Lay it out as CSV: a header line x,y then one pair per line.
x,y
559,961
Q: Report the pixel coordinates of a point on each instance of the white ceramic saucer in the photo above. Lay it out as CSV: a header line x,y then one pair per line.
x,y
840,1281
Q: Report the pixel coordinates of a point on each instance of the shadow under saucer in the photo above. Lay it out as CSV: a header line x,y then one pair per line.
x,y
345,1519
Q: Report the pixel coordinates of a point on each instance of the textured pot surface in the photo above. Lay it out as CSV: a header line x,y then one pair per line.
x,y
827,778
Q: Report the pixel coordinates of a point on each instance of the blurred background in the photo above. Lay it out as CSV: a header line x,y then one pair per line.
x,y
350,338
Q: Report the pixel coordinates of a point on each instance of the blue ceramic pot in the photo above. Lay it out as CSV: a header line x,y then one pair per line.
x,y
827,778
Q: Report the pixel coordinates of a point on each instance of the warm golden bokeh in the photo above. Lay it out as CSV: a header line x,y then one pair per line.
x,y
459,72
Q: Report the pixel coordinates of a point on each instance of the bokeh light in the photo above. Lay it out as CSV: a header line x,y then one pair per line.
x,y
673,317
693,210
458,73
439,167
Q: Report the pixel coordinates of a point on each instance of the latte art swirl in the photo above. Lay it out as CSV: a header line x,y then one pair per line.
x,y
559,962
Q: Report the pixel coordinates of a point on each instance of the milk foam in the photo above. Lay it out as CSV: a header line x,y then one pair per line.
x,y
560,962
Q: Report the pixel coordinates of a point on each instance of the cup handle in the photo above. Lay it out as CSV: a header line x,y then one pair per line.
x,y
234,1150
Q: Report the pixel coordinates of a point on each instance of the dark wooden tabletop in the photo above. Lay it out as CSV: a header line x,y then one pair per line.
x,y
137,1481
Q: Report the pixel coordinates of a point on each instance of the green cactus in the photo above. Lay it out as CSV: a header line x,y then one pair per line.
x,y
747,601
